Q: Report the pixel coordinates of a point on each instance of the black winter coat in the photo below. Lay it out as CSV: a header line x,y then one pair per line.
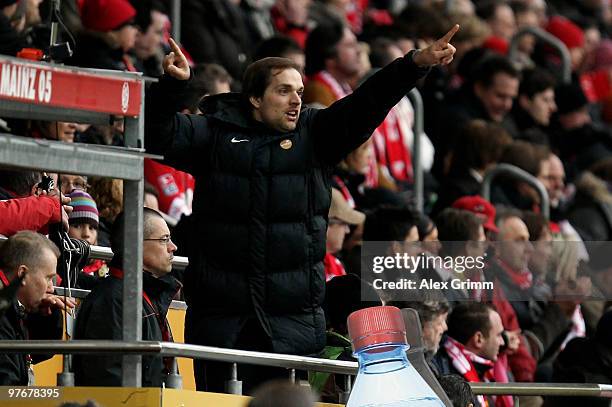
x,y
13,366
260,211
100,317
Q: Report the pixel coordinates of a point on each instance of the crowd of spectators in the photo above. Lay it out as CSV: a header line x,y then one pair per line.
x,y
503,99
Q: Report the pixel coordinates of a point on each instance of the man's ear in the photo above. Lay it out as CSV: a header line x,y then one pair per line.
x,y
524,102
21,273
256,102
478,340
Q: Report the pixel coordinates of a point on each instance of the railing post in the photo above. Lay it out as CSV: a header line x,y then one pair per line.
x,y
174,379
233,385
519,174
292,376
417,105
66,377
344,395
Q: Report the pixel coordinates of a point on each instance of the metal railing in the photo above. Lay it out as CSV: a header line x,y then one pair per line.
x,y
417,105
566,63
291,362
517,173
105,253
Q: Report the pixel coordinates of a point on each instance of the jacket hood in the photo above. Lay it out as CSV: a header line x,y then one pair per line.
x,y
227,107
594,187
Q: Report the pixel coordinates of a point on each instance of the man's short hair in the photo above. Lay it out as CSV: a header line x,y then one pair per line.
x,y
280,394
457,225
321,44
24,248
457,389
479,143
525,155
277,46
19,182
117,239
259,74
389,224
468,318
535,81
491,65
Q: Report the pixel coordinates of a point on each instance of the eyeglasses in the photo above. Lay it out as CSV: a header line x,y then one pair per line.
x,y
80,185
165,240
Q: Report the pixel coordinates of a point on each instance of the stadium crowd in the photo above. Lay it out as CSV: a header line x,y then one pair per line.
x,y
255,224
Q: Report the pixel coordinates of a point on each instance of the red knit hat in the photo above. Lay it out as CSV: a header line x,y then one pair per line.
x,y
569,33
106,15
496,44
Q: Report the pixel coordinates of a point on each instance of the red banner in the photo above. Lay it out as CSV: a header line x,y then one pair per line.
x,y
69,87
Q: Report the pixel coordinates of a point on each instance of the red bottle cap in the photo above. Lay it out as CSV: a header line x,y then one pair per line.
x,y
376,325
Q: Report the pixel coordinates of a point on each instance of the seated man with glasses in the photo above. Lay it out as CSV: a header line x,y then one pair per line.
x,y
100,315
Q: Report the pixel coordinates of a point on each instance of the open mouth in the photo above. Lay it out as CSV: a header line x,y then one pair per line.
x,y
292,115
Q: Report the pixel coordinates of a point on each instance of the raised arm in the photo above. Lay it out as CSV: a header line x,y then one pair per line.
x,y
349,122
178,137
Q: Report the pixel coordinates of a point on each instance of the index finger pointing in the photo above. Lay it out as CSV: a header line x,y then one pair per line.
x,y
449,35
175,47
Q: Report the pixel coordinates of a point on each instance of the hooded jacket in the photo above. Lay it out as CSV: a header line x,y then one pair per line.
x,y
261,203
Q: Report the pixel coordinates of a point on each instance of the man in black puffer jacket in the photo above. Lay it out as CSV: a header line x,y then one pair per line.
x,y
255,277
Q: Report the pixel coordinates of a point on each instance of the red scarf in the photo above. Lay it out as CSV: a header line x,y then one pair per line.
x,y
346,194
463,361
391,143
95,267
3,278
523,278
336,88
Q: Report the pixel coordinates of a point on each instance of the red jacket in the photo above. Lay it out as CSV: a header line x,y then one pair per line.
x,y
175,188
30,213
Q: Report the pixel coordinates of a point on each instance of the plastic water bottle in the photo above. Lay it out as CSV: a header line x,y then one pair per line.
x,y
385,378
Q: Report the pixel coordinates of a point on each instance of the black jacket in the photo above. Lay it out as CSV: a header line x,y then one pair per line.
x,y
260,211
15,325
100,317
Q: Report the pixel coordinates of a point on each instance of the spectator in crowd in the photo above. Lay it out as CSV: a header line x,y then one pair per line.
x,y
479,147
515,193
282,394
215,32
547,322
108,195
69,182
461,233
586,360
110,32
432,316
288,318
428,234
281,46
483,209
340,217
488,94
84,223
500,17
580,142
25,206
60,131
472,346
100,315
290,18
332,60
151,197
36,312
534,107
590,212
571,35
458,390
149,39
